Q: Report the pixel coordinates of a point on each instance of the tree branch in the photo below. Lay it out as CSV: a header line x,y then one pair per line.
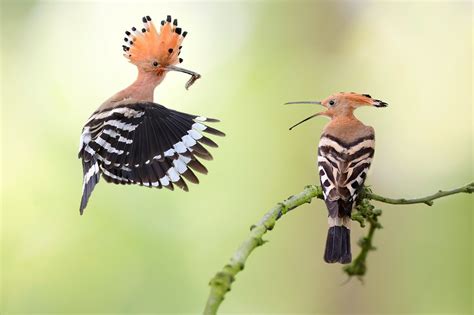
x,y
428,200
221,283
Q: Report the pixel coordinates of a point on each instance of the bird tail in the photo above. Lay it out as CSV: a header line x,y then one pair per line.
x,y
338,243
91,178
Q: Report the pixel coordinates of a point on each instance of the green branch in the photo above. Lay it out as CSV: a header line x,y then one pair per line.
x,y
222,281
428,200
365,212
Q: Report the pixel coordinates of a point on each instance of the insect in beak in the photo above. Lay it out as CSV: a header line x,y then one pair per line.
x,y
194,75
310,117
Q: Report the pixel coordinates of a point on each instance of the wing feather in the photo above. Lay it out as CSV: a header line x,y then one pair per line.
x,y
147,144
343,166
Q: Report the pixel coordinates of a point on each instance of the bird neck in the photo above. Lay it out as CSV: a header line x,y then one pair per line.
x,y
144,86
346,119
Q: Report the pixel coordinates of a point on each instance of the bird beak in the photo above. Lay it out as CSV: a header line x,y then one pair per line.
x,y
303,102
310,117
194,75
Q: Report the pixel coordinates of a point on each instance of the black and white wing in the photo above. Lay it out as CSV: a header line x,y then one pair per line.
x,y
343,168
144,143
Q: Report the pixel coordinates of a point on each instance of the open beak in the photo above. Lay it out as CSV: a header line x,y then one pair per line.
x,y
194,75
310,117
303,102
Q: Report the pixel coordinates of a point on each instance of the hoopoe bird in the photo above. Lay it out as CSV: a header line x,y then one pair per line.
x,y
345,152
130,139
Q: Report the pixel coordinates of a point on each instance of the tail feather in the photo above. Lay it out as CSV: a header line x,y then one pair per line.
x,y
338,245
91,178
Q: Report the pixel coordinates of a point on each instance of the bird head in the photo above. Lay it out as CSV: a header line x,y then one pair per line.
x,y
341,104
157,52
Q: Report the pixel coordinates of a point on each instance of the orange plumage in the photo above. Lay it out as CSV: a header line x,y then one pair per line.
x,y
147,44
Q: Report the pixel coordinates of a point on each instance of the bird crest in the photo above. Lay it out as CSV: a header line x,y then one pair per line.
x,y
365,99
147,47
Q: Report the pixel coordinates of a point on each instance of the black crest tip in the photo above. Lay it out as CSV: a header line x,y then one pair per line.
x,y
168,18
185,33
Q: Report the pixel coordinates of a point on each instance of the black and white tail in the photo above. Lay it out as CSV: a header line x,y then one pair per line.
x,y
338,242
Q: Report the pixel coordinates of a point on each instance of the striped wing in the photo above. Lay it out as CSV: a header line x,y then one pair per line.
x,y
343,168
146,144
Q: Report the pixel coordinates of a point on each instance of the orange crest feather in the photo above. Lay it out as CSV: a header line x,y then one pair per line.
x,y
146,45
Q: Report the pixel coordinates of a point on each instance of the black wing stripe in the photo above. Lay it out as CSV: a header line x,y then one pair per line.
x,y
356,172
328,170
205,140
348,145
198,166
329,150
190,176
200,151
213,131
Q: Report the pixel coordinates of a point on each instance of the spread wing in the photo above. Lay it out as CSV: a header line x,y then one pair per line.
x,y
343,168
146,144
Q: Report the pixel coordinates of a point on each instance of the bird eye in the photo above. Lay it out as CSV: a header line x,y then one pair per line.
x,y
331,102
155,63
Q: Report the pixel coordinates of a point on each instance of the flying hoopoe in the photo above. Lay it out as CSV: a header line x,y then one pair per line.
x,y
345,151
130,139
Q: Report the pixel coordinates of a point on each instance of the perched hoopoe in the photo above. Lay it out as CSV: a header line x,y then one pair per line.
x,y
130,139
345,151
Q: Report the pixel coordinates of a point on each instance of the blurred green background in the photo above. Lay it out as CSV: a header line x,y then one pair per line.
x,y
139,250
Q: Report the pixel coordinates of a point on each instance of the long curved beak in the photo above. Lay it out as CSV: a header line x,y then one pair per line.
x,y
194,75
304,102
306,119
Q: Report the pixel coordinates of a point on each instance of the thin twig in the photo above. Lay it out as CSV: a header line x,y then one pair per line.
x,y
428,200
221,283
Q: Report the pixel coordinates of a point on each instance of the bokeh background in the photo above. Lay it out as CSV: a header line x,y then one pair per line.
x,y
139,250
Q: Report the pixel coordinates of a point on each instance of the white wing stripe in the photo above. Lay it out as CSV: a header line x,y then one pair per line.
x,y
127,112
90,172
368,143
107,146
121,125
